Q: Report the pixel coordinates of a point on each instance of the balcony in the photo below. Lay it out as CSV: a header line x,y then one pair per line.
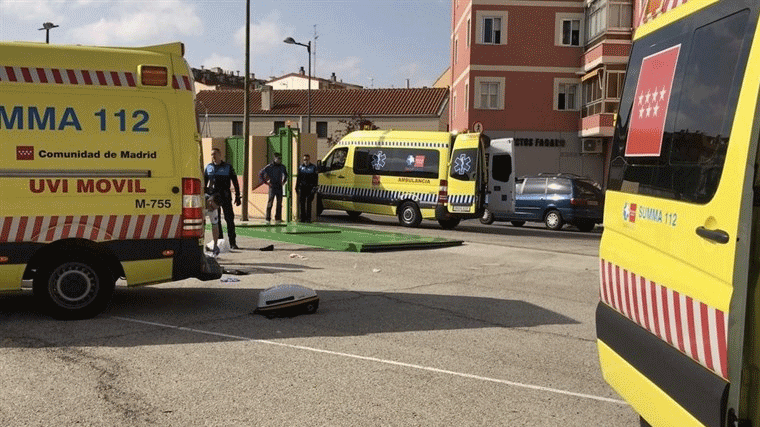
x,y
598,125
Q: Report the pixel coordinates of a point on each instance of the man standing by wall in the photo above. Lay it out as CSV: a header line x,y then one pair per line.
x,y
217,177
306,182
275,175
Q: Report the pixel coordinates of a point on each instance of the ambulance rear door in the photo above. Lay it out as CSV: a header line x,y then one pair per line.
x,y
466,174
501,176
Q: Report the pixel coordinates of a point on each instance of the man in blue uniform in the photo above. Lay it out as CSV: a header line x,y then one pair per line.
x,y
306,184
275,175
218,176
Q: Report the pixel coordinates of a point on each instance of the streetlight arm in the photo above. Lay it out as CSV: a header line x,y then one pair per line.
x,y
290,40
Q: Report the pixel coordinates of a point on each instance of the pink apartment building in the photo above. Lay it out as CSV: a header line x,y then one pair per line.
x,y
547,73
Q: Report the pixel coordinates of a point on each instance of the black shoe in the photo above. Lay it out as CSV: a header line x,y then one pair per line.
x,y
234,246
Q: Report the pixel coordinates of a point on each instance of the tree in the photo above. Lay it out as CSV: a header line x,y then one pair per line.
x,y
346,126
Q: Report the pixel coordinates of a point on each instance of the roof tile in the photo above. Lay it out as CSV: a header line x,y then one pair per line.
x,y
329,102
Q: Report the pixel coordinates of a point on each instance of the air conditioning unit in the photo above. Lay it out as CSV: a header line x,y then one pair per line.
x,y
591,146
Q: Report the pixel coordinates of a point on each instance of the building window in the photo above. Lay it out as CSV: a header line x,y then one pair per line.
x,y
615,84
620,15
489,95
277,126
466,96
237,128
567,96
571,29
469,31
456,51
596,18
491,30
614,90
592,97
321,129
454,106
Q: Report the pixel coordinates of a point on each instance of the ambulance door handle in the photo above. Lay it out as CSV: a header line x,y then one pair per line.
x,y
341,177
718,236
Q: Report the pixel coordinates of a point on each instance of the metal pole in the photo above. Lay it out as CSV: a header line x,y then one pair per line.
x,y
246,121
47,36
308,93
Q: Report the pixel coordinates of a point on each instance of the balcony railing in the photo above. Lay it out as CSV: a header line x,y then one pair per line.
x,y
600,106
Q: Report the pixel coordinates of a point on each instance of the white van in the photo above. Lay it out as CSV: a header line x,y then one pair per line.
x,y
500,162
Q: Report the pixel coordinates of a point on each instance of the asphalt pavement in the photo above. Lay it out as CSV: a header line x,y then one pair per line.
x,y
482,334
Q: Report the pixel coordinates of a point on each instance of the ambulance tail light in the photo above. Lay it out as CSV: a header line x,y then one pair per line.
x,y
154,76
443,192
192,207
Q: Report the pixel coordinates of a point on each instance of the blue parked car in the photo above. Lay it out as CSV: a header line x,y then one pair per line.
x,y
555,200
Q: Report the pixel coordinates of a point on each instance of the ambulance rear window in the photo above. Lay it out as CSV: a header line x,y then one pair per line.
x,y
464,164
680,97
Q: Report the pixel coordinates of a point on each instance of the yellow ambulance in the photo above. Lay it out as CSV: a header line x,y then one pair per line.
x,y
410,174
677,325
100,174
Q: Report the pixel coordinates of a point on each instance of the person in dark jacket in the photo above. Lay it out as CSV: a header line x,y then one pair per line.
x,y
275,175
217,177
306,185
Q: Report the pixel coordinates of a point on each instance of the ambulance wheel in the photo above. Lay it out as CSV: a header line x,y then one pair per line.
x,y
553,220
518,223
73,288
409,214
320,206
311,307
353,215
643,422
585,226
449,224
487,217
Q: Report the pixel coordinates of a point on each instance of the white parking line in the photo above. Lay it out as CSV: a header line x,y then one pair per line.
x,y
384,361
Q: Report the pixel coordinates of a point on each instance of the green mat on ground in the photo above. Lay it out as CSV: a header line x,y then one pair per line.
x,y
340,238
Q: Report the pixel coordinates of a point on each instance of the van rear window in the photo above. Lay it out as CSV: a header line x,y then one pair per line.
x,y
685,159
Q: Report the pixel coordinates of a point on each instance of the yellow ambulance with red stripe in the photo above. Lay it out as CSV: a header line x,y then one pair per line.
x,y
677,324
100,174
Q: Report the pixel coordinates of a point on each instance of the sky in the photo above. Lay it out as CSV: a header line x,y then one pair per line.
x,y
373,43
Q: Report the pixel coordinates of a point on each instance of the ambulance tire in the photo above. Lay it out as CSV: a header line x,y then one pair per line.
x,y
553,220
449,224
643,422
73,288
585,226
518,223
487,217
409,215
353,215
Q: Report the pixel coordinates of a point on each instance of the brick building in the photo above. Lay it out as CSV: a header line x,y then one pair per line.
x,y
546,73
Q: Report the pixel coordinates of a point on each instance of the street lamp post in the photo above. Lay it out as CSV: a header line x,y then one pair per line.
x,y
47,26
246,113
290,40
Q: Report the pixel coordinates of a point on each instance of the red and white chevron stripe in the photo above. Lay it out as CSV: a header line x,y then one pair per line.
x,y
43,229
181,82
79,77
654,8
693,327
